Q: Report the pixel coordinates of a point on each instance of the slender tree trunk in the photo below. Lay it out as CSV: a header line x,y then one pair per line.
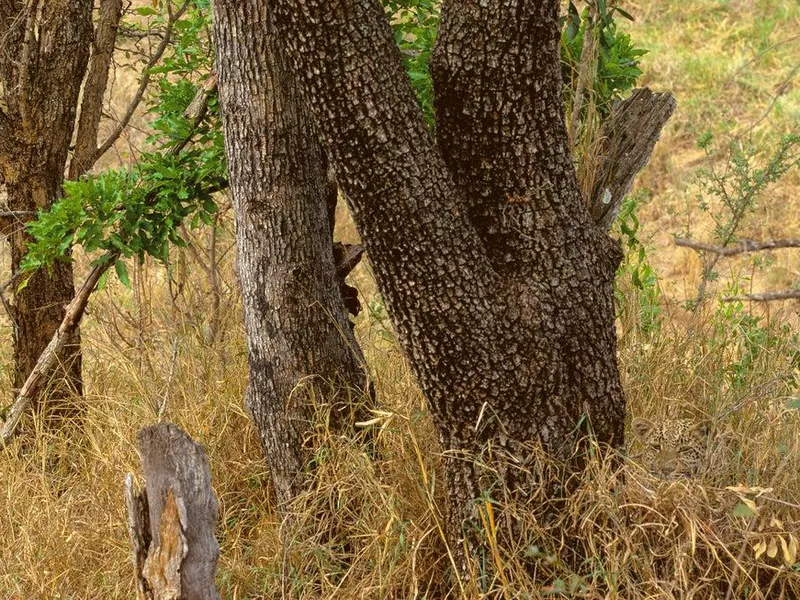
x,y
43,60
496,278
300,342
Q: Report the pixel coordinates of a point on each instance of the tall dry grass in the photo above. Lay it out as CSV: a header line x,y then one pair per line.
x,y
63,523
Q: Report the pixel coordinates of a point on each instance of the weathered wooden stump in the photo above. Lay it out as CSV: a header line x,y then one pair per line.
x,y
171,522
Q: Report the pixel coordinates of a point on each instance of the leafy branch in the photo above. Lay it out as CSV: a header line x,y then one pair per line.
x,y
125,214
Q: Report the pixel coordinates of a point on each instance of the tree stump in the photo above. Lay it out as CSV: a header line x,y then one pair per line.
x,y
171,522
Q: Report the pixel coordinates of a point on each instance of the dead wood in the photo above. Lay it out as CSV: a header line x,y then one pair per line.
x,y
171,522
629,138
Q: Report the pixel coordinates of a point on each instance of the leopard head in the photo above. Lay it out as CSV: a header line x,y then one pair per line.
x,y
672,446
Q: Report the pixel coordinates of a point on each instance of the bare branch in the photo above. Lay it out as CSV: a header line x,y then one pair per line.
x,y
50,355
129,31
765,297
15,214
744,246
631,134
94,89
199,105
143,83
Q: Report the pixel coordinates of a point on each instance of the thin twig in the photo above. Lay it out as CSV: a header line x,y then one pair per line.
x,y
744,246
757,57
782,90
12,214
765,297
585,77
143,83
163,406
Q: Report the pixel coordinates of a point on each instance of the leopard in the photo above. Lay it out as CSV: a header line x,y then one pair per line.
x,y
672,447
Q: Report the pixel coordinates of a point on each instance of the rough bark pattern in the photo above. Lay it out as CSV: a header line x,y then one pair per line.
x,y
298,332
630,136
497,280
44,56
182,513
139,534
499,107
105,36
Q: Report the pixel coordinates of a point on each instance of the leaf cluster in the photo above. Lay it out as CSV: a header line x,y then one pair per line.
x,y
139,210
616,66
415,24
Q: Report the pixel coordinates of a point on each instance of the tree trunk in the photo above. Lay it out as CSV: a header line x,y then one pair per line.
x,y
301,347
43,61
497,280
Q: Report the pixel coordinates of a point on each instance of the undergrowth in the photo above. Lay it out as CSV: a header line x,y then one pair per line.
x,y
63,521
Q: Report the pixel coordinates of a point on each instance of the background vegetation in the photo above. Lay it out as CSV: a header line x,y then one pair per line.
x,y
171,345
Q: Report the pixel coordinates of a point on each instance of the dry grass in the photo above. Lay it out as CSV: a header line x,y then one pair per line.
x,y
61,512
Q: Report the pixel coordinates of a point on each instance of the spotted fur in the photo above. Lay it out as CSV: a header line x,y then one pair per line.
x,y
672,446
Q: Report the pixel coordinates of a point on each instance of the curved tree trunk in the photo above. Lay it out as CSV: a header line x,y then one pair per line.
x,y
300,342
42,63
496,278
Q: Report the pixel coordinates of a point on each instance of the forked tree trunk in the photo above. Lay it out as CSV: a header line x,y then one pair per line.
x,y
43,59
299,338
496,278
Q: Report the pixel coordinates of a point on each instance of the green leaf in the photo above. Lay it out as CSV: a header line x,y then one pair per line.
x,y
742,510
122,273
625,14
101,283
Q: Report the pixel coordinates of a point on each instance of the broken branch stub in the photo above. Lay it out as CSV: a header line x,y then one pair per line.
x,y
172,523
629,138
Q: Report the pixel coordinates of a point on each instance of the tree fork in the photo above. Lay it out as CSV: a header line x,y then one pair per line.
x,y
497,278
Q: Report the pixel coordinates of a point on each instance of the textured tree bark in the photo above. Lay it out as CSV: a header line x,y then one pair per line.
x,y
629,138
43,61
498,281
105,37
300,342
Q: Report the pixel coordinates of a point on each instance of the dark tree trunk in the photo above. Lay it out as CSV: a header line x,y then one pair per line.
x,y
300,341
42,64
496,278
